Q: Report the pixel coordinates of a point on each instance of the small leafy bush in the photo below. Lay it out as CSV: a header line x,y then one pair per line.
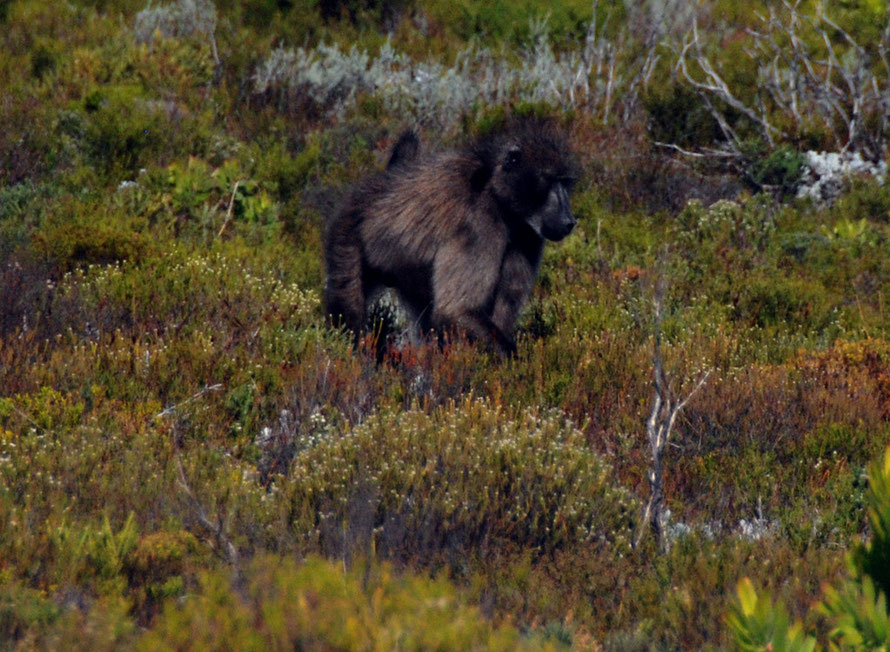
x,y
70,244
315,605
780,169
124,132
200,201
466,476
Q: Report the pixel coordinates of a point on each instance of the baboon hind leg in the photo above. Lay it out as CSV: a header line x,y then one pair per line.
x,y
344,289
479,327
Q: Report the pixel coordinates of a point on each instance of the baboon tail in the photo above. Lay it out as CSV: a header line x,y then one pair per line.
x,y
344,295
405,150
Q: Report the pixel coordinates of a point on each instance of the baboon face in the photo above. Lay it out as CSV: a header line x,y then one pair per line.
x,y
554,219
532,176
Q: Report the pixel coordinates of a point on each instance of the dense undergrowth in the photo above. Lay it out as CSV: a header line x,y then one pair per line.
x,y
191,458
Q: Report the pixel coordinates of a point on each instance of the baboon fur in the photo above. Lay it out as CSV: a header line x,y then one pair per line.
x,y
458,234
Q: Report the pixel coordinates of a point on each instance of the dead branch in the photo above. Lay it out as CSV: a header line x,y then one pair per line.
x,y
222,543
194,397
714,85
839,86
666,405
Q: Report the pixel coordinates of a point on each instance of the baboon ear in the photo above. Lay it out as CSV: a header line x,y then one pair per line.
x,y
404,151
514,155
480,176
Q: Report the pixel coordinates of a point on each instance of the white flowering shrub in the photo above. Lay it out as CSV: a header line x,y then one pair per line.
x,y
826,173
179,19
192,285
430,92
466,473
727,221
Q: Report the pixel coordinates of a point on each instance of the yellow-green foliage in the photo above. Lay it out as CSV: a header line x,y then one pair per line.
x,y
316,606
276,603
758,624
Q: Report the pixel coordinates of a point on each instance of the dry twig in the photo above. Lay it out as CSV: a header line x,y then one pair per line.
x,y
665,408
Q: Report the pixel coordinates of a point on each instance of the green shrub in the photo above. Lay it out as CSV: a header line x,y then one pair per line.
x,y
73,244
468,475
781,169
23,610
289,174
770,302
678,115
316,606
867,199
124,131
43,60
158,566
758,624
94,555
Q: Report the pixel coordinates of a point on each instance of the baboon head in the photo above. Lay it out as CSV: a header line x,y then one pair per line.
x,y
530,171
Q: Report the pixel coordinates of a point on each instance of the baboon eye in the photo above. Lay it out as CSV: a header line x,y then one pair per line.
x,y
514,155
568,182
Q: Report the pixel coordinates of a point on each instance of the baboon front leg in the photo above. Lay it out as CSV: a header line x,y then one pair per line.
x,y
480,327
517,280
463,288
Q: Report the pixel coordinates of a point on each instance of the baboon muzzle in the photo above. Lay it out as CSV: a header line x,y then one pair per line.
x,y
557,219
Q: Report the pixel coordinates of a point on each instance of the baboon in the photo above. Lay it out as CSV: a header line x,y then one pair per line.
x,y
458,234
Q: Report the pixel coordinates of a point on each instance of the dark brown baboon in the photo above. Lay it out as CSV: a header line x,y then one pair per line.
x,y
458,234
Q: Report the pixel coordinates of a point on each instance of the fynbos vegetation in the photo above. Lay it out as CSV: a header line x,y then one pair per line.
x,y
192,457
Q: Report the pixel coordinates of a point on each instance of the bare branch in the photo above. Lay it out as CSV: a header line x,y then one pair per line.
x,y
839,89
223,545
229,209
659,427
173,408
715,85
701,382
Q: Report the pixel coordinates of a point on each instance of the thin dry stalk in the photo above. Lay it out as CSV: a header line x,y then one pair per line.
x,y
222,543
665,408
